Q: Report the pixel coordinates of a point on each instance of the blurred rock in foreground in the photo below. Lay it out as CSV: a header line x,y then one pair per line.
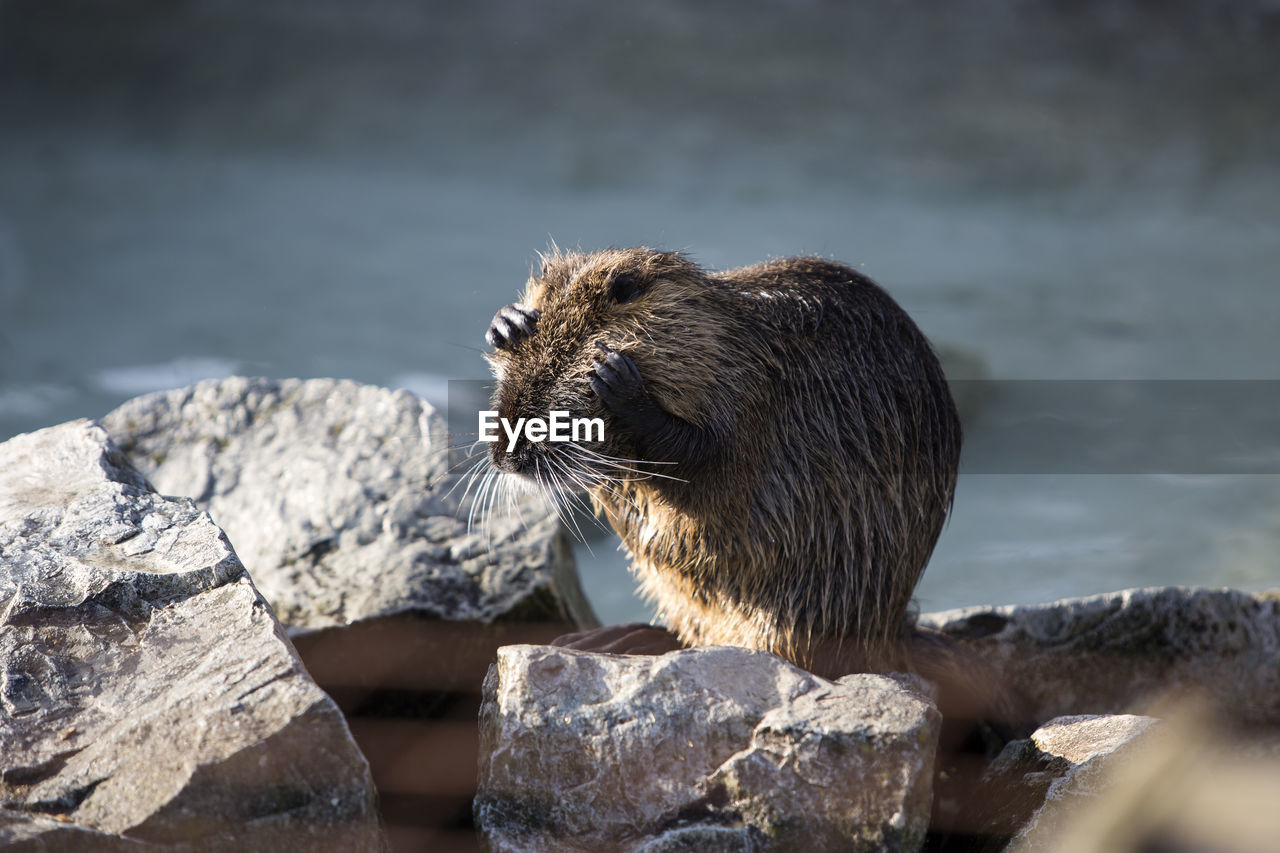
x,y
1193,782
711,749
146,690
1065,763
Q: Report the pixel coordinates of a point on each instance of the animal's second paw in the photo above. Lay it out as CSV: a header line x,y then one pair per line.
x,y
617,382
512,324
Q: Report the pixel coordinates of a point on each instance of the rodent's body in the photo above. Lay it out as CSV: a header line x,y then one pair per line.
x,y
794,441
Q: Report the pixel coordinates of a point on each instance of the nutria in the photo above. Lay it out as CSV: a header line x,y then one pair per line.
x,y
780,449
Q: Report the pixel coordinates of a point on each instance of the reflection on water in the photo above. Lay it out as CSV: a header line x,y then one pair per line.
x,y
1055,190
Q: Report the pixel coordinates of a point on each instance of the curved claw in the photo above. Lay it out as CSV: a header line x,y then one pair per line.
x,y
512,324
616,380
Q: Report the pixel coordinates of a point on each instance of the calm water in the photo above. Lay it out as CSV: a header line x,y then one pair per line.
x,y
1053,190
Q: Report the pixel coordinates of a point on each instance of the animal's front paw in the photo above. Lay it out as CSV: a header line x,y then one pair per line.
x,y
512,324
617,383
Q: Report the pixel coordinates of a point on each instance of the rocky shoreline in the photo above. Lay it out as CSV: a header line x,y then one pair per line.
x,y
293,654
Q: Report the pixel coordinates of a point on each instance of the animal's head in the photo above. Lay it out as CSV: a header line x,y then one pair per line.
x,y
650,305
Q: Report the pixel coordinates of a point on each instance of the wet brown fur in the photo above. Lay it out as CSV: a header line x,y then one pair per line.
x,y
839,441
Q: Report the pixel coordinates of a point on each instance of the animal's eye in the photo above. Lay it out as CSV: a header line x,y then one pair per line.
x,y
624,288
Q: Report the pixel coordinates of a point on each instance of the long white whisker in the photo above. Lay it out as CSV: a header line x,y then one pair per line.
x,y
567,515
616,464
513,502
600,455
498,484
564,473
477,500
577,478
469,476
613,464
619,495
470,456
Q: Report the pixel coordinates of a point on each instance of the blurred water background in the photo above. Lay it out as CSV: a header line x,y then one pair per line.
x,y
1054,190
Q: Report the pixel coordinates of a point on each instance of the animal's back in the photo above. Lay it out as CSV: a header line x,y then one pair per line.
x,y
845,448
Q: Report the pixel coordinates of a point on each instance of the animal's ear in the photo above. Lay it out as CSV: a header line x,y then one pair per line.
x,y
624,287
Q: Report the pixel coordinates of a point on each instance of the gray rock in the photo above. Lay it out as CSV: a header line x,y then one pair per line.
x,y
703,749
1188,783
1122,651
24,832
340,501
1064,763
145,687
1081,740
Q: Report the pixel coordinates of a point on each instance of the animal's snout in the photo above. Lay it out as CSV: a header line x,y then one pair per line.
x,y
511,449
512,457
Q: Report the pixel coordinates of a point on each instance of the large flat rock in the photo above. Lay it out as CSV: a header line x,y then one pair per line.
x,y
709,749
340,501
1122,651
147,693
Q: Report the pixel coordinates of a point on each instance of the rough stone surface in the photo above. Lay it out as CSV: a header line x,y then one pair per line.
x,y
340,501
704,749
1080,740
1122,651
146,691
24,832
1188,783
1063,764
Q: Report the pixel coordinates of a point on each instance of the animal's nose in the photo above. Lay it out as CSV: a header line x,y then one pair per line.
x,y
514,458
